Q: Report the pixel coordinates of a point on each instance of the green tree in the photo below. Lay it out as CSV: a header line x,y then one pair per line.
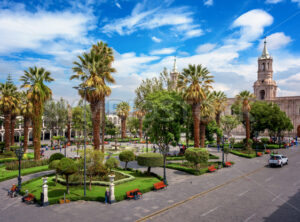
x,y
229,123
197,156
112,163
220,103
38,93
194,82
126,156
211,129
123,109
133,124
8,102
26,109
150,160
163,120
243,99
110,128
54,166
67,167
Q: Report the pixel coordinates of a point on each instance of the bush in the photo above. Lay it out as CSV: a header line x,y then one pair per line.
x,y
9,154
56,156
250,142
112,163
196,156
243,154
265,140
25,164
150,160
126,156
67,167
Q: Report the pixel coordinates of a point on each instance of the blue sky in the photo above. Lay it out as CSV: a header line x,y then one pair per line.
x,y
225,36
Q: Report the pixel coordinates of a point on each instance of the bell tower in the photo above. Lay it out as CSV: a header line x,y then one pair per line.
x,y
265,87
174,75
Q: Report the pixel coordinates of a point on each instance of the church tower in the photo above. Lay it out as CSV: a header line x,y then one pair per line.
x,y
174,75
265,87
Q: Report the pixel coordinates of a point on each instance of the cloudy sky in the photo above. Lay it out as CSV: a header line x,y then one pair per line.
x,y
225,36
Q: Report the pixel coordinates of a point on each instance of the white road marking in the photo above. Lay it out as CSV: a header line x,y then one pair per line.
x,y
276,197
208,212
269,178
249,218
241,194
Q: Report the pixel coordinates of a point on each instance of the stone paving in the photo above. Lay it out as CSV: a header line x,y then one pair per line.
x,y
181,186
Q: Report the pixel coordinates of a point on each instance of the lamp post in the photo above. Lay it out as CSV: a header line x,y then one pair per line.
x,y
19,153
223,151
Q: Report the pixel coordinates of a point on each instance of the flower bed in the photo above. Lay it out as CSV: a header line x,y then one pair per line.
x,y
241,154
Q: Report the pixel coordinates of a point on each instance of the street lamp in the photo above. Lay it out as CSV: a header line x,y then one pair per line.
x,y
19,153
223,163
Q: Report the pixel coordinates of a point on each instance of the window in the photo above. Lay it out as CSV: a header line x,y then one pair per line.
x,y
262,94
263,66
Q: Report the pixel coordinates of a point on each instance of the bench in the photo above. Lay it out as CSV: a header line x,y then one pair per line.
x,y
228,164
259,154
29,198
212,168
133,194
159,185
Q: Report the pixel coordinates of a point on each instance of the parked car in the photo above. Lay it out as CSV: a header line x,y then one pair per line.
x,y
278,160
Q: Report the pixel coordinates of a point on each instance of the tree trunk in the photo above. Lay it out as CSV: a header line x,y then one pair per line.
x,y
12,129
67,181
218,115
141,127
247,121
103,124
37,123
26,129
7,118
56,176
90,187
202,134
96,124
126,165
123,123
196,117
148,171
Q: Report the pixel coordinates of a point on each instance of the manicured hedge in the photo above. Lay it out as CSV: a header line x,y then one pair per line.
x,y
211,157
150,159
235,152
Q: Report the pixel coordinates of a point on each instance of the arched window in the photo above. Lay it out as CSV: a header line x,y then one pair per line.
x,y
263,67
262,94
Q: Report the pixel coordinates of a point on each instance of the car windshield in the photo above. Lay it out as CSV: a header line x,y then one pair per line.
x,y
275,157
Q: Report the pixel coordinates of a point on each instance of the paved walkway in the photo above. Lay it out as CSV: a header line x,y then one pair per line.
x,y
181,187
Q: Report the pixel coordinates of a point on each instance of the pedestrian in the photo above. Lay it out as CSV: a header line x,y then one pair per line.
x,y
107,196
218,147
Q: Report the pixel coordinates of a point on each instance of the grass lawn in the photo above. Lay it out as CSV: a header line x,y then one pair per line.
x,y
9,174
211,157
188,169
142,182
26,156
243,153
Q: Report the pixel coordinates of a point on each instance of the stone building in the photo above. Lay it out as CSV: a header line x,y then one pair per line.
x,y
265,88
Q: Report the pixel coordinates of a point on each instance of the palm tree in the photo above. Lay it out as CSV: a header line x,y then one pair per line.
x,y
94,70
207,114
13,119
139,113
123,109
244,99
26,110
104,70
8,102
220,101
37,93
194,82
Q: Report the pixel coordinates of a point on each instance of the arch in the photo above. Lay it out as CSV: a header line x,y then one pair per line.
x,y
262,94
298,131
263,66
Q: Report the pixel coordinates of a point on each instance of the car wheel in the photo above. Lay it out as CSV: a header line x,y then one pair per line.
x,y
281,165
287,162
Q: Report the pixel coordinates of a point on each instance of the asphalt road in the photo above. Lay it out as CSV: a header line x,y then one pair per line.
x,y
248,191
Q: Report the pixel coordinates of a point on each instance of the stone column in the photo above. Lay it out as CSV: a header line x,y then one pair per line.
x,y
112,189
45,191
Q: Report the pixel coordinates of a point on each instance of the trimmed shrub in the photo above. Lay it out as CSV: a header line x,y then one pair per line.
x,y
54,166
150,160
56,156
67,167
235,152
265,140
25,164
196,156
112,163
126,156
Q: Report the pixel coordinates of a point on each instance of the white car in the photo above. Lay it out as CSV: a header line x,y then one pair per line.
x,y
278,160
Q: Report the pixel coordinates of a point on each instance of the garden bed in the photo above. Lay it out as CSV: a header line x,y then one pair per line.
x,y
55,192
242,153
9,174
188,167
4,159
211,157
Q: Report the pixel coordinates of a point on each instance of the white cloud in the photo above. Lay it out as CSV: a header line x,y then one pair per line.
x,y
205,48
276,41
155,39
179,19
118,5
208,2
297,1
27,30
163,51
273,1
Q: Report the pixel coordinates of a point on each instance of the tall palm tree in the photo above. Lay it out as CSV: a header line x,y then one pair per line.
x,y
13,119
194,81
220,101
38,93
94,70
104,70
244,99
26,110
123,109
207,114
8,101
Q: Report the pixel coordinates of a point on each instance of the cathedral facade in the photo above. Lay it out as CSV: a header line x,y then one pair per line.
x,y
265,89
